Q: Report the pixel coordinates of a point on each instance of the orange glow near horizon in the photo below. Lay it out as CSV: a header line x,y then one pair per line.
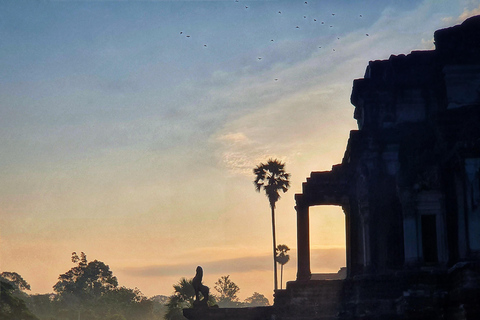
x,y
327,231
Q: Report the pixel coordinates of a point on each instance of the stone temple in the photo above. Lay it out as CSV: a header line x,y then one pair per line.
x,y
409,185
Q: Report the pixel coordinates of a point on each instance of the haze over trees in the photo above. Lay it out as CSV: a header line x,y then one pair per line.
x,y
257,300
90,291
227,292
272,178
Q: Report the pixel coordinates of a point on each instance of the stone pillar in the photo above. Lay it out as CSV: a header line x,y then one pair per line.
x,y
303,242
461,219
367,263
354,239
472,173
346,210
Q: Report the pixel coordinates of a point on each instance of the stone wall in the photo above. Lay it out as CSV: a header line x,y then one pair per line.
x,y
409,185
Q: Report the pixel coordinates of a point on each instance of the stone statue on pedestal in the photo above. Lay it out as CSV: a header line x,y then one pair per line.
x,y
200,288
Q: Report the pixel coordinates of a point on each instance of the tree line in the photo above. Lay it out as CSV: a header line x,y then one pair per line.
x,y
90,291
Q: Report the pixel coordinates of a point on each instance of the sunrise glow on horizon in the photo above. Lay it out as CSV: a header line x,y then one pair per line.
x,y
129,130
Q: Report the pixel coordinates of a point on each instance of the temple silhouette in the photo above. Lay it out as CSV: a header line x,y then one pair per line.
x,y
409,185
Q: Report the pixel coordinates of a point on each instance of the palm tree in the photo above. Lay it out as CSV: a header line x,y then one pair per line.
x,y
271,177
282,258
183,297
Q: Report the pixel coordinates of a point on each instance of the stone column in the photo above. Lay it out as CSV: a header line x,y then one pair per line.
x,y
346,210
303,242
354,239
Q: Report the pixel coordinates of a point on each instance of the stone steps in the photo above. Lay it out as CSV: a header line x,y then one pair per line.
x,y
315,299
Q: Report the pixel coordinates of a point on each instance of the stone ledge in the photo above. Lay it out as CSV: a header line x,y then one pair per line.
x,y
256,313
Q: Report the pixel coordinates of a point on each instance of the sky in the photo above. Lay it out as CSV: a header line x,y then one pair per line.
x,y
129,129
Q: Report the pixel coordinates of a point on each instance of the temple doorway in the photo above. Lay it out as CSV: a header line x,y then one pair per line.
x,y
327,241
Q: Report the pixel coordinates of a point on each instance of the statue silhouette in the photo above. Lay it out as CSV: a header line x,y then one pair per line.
x,y
199,287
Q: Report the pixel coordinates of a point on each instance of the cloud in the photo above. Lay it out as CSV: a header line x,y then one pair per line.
x,y
307,108
468,14
236,159
472,9
324,259
240,265
236,138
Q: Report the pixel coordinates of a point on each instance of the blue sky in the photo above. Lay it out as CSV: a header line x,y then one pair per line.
x,y
129,129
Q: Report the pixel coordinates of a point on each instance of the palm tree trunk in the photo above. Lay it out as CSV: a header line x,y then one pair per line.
x,y
281,277
274,249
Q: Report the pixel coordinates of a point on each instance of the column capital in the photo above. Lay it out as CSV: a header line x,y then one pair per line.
x,y
300,203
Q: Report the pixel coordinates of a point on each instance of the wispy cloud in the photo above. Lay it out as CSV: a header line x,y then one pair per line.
x,y
247,264
291,108
468,14
324,259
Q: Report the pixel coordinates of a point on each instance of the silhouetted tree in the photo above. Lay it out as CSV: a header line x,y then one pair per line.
x,y
18,283
15,279
182,298
228,292
86,282
282,258
130,303
90,291
257,300
12,307
272,178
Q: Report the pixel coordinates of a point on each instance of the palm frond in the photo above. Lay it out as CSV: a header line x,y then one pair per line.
x,y
271,177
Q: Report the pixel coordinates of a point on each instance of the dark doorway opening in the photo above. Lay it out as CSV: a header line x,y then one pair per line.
x,y
429,239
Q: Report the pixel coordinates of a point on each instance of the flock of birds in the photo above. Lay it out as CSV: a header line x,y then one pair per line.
x,y
296,27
